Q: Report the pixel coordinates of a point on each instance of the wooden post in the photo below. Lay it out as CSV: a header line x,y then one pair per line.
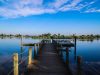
x,y
67,56
35,47
21,40
21,50
21,45
75,49
75,40
34,51
15,59
38,46
30,56
79,60
79,65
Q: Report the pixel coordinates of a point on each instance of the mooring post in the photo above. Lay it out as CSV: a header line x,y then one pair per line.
x,y
21,50
75,40
34,51
67,56
35,46
30,56
22,40
79,65
38,46
15,63
79,60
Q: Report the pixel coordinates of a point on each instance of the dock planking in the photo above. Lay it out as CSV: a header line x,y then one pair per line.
x,y
49,63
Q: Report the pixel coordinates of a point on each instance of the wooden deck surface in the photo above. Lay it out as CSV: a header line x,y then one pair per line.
x,y
49,63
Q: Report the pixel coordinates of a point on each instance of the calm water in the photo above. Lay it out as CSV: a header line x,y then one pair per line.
x,y
10,46
90,51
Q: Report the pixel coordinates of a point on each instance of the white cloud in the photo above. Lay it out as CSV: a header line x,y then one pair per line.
x,y
71,6
17,8
74,3
33,2
58,3
92,10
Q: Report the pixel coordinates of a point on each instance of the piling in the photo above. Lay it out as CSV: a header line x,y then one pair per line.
x,y
35,46
79,65
75,49
35,51
67,56
75,40
38,46
15,59
79,60
30,56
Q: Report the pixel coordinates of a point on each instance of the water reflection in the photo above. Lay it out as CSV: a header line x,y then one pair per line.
x,y
21,48
86,49
21,55
79,65
9,46
75,49
67,56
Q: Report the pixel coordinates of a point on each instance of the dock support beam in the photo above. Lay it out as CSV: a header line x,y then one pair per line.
x,y
79,65
38,46
79,60
67,56
75,49
15,63
35,51
30,56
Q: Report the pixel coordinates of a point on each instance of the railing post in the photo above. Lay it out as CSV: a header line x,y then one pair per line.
x,y
35,47
67,56
15,63
38,45
34,51
79,65
75,40
79,60
30,56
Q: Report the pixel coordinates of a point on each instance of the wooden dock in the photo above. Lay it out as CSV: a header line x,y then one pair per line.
x,y
48,63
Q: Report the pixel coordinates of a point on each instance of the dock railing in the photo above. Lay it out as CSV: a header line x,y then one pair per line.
x,y
28,58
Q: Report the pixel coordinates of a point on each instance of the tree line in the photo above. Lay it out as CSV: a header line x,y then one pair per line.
x,y
52,36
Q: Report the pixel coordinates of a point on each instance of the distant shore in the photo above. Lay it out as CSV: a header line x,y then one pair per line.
x,y
52,36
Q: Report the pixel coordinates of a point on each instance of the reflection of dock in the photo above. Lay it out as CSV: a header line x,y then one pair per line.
x,y
87,68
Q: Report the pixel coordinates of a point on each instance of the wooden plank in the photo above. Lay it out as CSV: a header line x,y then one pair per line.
x,y
49,63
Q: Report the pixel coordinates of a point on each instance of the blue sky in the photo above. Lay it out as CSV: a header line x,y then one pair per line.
x,y
54,16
